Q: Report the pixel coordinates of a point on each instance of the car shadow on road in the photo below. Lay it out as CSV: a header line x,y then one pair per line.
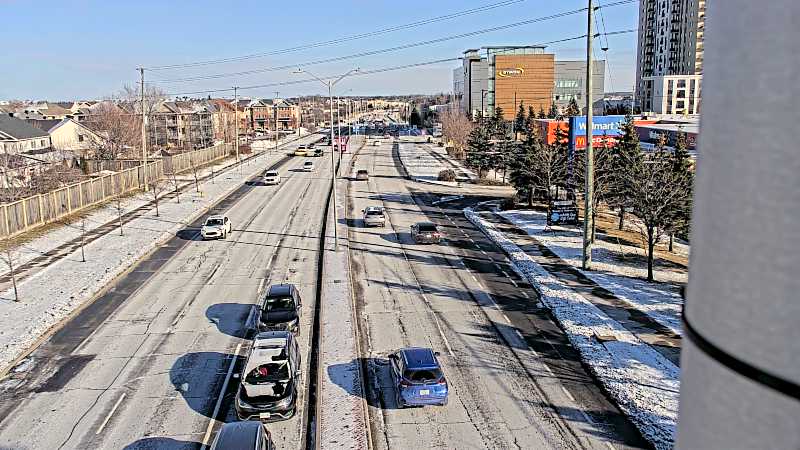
x,y
161,443
233,319
189,234
198,376
378,388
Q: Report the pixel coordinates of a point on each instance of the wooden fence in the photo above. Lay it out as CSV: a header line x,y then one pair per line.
x,y
31,212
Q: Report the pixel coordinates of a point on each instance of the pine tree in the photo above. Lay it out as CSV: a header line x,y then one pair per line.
x,y
625,152
541,114
572,108
553,113
478,149
519,121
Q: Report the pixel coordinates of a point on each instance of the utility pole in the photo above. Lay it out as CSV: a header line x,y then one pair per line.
x,y
144,133
589,187
236,120
275,105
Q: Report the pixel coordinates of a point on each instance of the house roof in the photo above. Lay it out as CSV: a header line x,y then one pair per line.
x,y
17,129
44,124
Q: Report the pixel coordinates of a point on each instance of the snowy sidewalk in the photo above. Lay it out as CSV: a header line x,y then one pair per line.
x,y
423,162
643,383
618,267
55,291
341,409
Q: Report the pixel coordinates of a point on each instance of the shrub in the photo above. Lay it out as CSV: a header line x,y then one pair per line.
x,y
447,175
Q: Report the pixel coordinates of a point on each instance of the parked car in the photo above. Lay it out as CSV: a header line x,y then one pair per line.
x,y
268,388
280,309
216,227
425,233
308,166
374,216
362,175
272,177
418,378
247,435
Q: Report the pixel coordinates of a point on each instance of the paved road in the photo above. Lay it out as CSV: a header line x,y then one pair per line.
x,y
515,381
143,366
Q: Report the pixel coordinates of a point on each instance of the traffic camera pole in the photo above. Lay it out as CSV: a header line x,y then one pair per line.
x,y
588,193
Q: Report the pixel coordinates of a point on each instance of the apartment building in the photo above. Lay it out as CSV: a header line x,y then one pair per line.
x,y
671,34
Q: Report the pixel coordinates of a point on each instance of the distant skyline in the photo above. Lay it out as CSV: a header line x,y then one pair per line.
x,y
62,51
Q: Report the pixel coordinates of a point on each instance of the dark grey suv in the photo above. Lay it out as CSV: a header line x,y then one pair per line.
x,y
249,435
280,309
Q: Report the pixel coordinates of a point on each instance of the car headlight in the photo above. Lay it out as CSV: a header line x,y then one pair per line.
x,y
284,403
242,403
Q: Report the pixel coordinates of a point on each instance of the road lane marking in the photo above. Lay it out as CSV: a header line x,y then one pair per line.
x,y
526,294
568,394
260,286
586,416
506,317
513,282
220,396
110,413
548,369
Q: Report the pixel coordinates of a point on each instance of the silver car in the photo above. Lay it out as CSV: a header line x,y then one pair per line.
x,y
374,216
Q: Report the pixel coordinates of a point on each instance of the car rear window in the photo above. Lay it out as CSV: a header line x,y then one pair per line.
x,y
422,375
272,174
268,373
362,171
427,227
279,304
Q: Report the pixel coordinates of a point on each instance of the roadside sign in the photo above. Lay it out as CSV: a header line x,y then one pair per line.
x,y
562,213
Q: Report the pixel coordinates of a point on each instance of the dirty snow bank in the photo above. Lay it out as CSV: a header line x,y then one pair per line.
x,y
644,384
422,166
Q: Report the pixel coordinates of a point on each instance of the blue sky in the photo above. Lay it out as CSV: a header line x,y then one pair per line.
x,y
70,50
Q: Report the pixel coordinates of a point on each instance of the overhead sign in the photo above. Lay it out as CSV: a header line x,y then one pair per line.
x,y
513,72
609,126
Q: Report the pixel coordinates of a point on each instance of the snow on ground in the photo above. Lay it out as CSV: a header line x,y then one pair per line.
x,y
422,166
624,278
51,294
643,383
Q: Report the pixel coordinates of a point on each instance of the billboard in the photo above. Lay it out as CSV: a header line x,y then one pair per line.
x,y
602,126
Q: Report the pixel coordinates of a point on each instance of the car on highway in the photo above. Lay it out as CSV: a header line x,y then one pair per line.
x,y
246,435
425,233
216,227
301,151
418,378
374,216
280,309
317,152
308,166
362,175
272,177
268,387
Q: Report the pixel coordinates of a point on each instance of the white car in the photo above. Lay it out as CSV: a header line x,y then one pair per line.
x,y
272,177
374,216
308,166
216,227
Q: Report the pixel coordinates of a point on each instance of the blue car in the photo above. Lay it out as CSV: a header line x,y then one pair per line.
x,y
418,377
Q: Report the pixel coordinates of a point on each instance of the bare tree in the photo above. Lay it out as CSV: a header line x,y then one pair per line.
x,y
83,239
194,173
174,180
456,127
117,132
156,188
119,209
9,256
658,193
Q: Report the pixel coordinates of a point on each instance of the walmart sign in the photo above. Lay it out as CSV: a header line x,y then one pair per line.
x,y
601,126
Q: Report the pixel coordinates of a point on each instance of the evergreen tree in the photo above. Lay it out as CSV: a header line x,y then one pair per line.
x,y
553,113
541,114
572,108
625,152
519,121
530,125
478,149
415,118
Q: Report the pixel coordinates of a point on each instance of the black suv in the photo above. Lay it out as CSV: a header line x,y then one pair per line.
x,y
280,309
249,435
268,388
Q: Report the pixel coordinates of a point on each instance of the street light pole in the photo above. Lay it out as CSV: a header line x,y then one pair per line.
x,y
144,133
275,106
330,84
589,187
236,121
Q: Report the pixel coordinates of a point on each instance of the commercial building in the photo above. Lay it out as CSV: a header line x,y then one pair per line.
x,y
492,77
674,94
671,34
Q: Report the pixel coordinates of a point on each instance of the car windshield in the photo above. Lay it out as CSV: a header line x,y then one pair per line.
x,y
375,213
272,174
279,304
362,172
309,163
422,375
426,227
269,373
214,222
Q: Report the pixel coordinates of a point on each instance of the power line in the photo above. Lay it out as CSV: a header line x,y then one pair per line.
x,y
369,72
340,40
375,52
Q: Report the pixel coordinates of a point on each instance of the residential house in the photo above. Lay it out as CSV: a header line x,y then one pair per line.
x,y
73,136
17,136
184,124
222,119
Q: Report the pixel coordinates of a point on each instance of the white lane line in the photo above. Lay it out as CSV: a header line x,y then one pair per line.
x,y
220,396
526,294
586,416
609,445
110,413
548,369
473,276
439,327
568,394
513,282
505,274
484,252
506,317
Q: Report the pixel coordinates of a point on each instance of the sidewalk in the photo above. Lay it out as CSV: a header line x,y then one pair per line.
x,y
341,408
642,381
61,284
